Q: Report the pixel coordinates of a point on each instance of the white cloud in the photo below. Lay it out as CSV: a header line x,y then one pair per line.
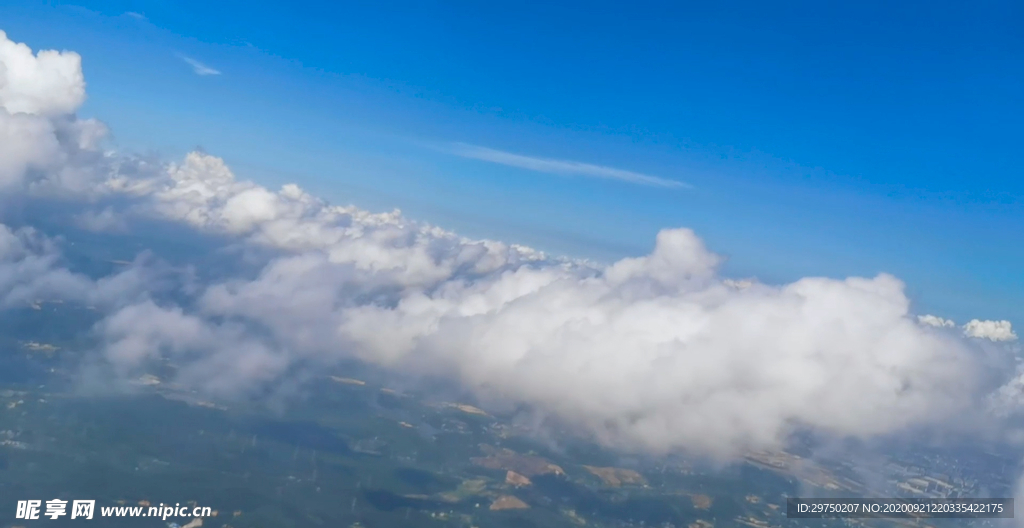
x,y
48,83
936,321
42,144
639,360
32,268
562,167
199,68
658,351
991,330
202,192
219,359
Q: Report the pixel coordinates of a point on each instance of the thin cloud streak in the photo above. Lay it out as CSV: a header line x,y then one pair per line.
x,y
562,167
198,67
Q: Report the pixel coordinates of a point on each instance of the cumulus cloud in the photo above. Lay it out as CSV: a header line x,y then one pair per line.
x,y
991,330
562,167
48,83
199,68
638,360
976,328
203,193
42,144
936,321
658,352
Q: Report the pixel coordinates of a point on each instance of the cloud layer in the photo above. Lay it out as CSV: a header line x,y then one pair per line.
x,y
658,352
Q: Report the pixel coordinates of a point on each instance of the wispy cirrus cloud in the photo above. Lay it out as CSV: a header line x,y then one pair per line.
x,y
562,167
198,67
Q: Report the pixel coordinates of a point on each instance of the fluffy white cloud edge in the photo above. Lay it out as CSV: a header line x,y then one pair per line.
x,y
991,330
976,328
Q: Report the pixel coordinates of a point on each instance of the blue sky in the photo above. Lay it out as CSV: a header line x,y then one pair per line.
x,y
813,138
